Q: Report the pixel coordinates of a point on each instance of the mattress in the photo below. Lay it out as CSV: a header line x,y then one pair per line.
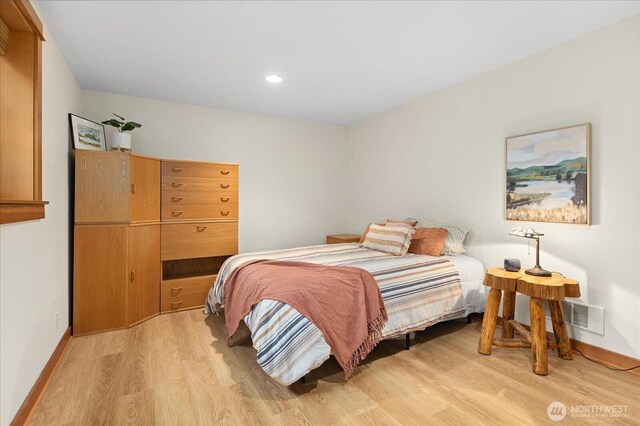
x,y
289,345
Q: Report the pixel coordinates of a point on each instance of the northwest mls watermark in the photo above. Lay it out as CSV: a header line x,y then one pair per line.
x,y
557,411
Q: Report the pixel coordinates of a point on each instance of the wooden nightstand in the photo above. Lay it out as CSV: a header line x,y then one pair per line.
x,y
343,238
540,289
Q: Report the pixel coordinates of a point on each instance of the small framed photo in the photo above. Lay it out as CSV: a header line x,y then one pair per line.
x,y
87,134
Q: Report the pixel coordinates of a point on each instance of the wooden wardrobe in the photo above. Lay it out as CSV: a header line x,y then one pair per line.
x,y
150,236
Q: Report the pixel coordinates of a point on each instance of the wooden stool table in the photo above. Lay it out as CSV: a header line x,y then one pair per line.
x,y
552,289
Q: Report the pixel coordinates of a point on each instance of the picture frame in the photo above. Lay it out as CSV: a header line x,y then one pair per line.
x,y
548,176
87,134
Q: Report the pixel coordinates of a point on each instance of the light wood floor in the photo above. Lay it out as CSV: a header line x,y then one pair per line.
x,y
177,370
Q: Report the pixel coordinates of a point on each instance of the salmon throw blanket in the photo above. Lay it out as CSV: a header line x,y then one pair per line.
x,y
343,302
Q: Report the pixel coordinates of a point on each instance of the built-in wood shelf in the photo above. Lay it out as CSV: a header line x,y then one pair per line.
x,y
21,210
20,112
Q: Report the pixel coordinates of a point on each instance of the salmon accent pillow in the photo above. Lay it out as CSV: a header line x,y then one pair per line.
x,y
429,241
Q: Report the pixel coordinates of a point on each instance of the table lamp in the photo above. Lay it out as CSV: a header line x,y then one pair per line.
x,y
533,235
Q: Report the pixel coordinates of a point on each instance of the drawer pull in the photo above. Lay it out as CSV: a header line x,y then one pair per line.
x,y
176,199
224,172
176,184
176,213
177,169
134,188
224,185
133,275
200,228
224,212
224,199
176,304
175,290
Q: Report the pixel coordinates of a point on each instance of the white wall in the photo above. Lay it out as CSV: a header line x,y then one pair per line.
x,y
34,256
439,157
292,172
443,157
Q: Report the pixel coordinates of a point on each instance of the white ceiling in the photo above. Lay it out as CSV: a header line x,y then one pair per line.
x,y
341,61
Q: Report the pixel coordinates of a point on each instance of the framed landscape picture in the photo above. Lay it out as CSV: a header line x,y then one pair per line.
x,y
548,176
87,134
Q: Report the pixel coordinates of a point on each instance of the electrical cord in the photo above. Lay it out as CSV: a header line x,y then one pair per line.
x,y
596,361
602,363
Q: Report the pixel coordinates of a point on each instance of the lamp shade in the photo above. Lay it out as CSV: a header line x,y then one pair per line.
x,y
525,232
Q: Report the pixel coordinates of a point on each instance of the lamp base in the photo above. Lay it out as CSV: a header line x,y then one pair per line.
x,y
537,271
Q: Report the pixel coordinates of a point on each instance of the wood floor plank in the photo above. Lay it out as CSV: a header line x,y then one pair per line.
x,y
177,369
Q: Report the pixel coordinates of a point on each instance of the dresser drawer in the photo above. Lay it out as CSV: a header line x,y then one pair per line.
x,y
185,293
216,197
227,185
199,211
198,239
203,170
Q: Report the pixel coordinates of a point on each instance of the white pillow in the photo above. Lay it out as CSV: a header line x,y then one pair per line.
x,y
455,242
390,239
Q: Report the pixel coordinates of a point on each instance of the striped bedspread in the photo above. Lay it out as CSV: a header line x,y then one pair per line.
x,y
418,291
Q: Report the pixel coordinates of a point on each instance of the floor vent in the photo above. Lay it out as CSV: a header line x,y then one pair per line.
x,y
581,315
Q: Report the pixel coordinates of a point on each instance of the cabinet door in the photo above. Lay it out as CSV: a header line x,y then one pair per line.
x,y
99,278
145,189
143,298
102,187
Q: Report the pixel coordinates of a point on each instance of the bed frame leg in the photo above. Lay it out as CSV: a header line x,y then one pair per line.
x,y
469,319
303,379
407,341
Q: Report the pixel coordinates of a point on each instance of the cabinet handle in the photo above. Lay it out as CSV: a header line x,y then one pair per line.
x,y
200,228
134,188
133,276
224,199
177,169
176,184
224,212
176,304
224,172
176,213
224,185
175,290
176,199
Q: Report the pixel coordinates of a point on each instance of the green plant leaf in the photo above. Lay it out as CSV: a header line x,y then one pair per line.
x,y
119,116
113,122
130,126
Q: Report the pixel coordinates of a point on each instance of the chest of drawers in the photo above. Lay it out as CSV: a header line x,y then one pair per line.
x,y
150,236
199,228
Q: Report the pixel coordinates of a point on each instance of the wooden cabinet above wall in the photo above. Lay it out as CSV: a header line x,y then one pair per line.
x,y
114,187
20,112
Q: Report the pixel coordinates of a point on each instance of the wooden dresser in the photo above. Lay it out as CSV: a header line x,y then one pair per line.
x,y
199,229
149,236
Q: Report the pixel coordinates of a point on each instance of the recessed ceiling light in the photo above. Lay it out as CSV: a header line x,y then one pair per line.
x,y
273,78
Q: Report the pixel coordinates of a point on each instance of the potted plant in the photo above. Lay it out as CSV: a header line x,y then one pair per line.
x,y
121,139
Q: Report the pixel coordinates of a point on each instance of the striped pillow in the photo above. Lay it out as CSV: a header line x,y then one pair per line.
x,y
410,222
390,239
407,222
455,242
364,234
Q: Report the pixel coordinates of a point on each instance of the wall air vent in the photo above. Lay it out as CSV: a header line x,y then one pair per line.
x,y
581,315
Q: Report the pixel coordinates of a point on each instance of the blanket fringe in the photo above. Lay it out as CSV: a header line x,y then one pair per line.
x,y
376,326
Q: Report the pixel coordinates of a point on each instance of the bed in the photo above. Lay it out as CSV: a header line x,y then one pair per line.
x,y
418,292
